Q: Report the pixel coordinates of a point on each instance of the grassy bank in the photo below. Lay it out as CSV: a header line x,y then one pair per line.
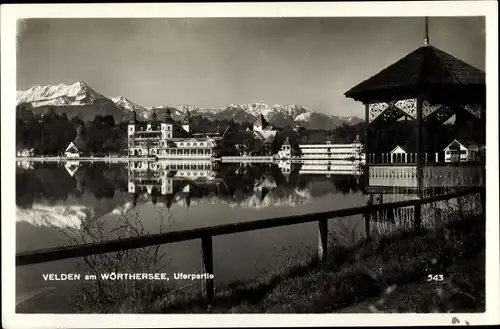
x,y
385,275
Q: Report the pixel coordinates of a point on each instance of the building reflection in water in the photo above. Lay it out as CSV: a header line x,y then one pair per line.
x,y
182,181
162,180
166,180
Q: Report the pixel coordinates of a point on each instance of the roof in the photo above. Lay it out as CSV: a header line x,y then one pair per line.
x,y
77,144
187,118
265,135
422,71
261,121
465,143
401,147
70,146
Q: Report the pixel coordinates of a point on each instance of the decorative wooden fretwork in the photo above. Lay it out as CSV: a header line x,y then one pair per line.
x,y
375,110
475,110
408,106
391,114
428,108
443,114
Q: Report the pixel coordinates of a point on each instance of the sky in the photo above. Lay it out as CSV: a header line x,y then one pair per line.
x,y
213,62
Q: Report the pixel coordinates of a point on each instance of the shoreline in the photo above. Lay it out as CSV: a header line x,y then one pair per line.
x,y
154,159
65,159
362,279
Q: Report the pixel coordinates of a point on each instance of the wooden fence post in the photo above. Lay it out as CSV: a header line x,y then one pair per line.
x,y
322,239
368,216
367,224
207,266
460,208
418,217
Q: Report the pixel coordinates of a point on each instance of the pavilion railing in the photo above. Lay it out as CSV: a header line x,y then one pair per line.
x,y
205,234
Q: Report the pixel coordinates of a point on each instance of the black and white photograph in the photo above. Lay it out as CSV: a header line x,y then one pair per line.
x,y
250,164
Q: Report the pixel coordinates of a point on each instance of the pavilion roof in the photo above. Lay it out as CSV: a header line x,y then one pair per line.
x,y
427,71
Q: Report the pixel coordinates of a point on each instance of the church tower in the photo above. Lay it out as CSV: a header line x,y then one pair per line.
x,y
186,122
131,131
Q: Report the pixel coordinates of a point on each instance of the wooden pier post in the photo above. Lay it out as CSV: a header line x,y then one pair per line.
x,y
322,239
482,195
207,266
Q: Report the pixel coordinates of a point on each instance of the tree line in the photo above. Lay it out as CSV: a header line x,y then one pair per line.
x,y
51,133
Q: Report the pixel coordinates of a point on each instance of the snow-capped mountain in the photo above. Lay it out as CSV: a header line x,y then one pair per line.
x,y
283,115
78,99
128,105
277,115
75,94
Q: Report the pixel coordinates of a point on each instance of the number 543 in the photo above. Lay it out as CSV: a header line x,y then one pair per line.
x,y
435,277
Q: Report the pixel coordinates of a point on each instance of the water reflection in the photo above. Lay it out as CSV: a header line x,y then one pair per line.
x,y
74,194
65,203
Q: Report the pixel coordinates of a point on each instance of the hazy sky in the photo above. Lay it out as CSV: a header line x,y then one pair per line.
x,y
212,62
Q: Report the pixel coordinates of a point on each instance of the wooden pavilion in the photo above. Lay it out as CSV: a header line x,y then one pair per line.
x,y
428,86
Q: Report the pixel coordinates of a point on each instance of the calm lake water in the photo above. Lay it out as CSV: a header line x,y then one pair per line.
x,y
66,203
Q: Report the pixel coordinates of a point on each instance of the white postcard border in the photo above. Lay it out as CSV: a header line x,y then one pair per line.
x,y
9,15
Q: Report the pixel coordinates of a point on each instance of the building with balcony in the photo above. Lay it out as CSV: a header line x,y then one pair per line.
x,y
169,139
326,151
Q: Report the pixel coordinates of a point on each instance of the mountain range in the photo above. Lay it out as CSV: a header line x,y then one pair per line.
x,y
79,99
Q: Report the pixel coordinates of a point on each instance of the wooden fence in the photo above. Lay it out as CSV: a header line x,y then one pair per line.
x,y
206,234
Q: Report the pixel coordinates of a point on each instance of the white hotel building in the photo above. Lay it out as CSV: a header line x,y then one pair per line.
x,y
166,139
328,151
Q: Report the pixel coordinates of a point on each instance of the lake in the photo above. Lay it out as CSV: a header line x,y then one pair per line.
x,y
80,202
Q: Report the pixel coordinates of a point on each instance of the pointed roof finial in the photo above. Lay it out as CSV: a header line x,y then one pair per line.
x,y
426,39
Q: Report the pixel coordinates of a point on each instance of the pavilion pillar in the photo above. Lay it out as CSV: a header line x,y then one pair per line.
x,y
367,134
431,141
419,143
377,149
367,151
406,132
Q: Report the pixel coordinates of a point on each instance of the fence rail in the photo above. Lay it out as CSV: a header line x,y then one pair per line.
x,y
206,234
